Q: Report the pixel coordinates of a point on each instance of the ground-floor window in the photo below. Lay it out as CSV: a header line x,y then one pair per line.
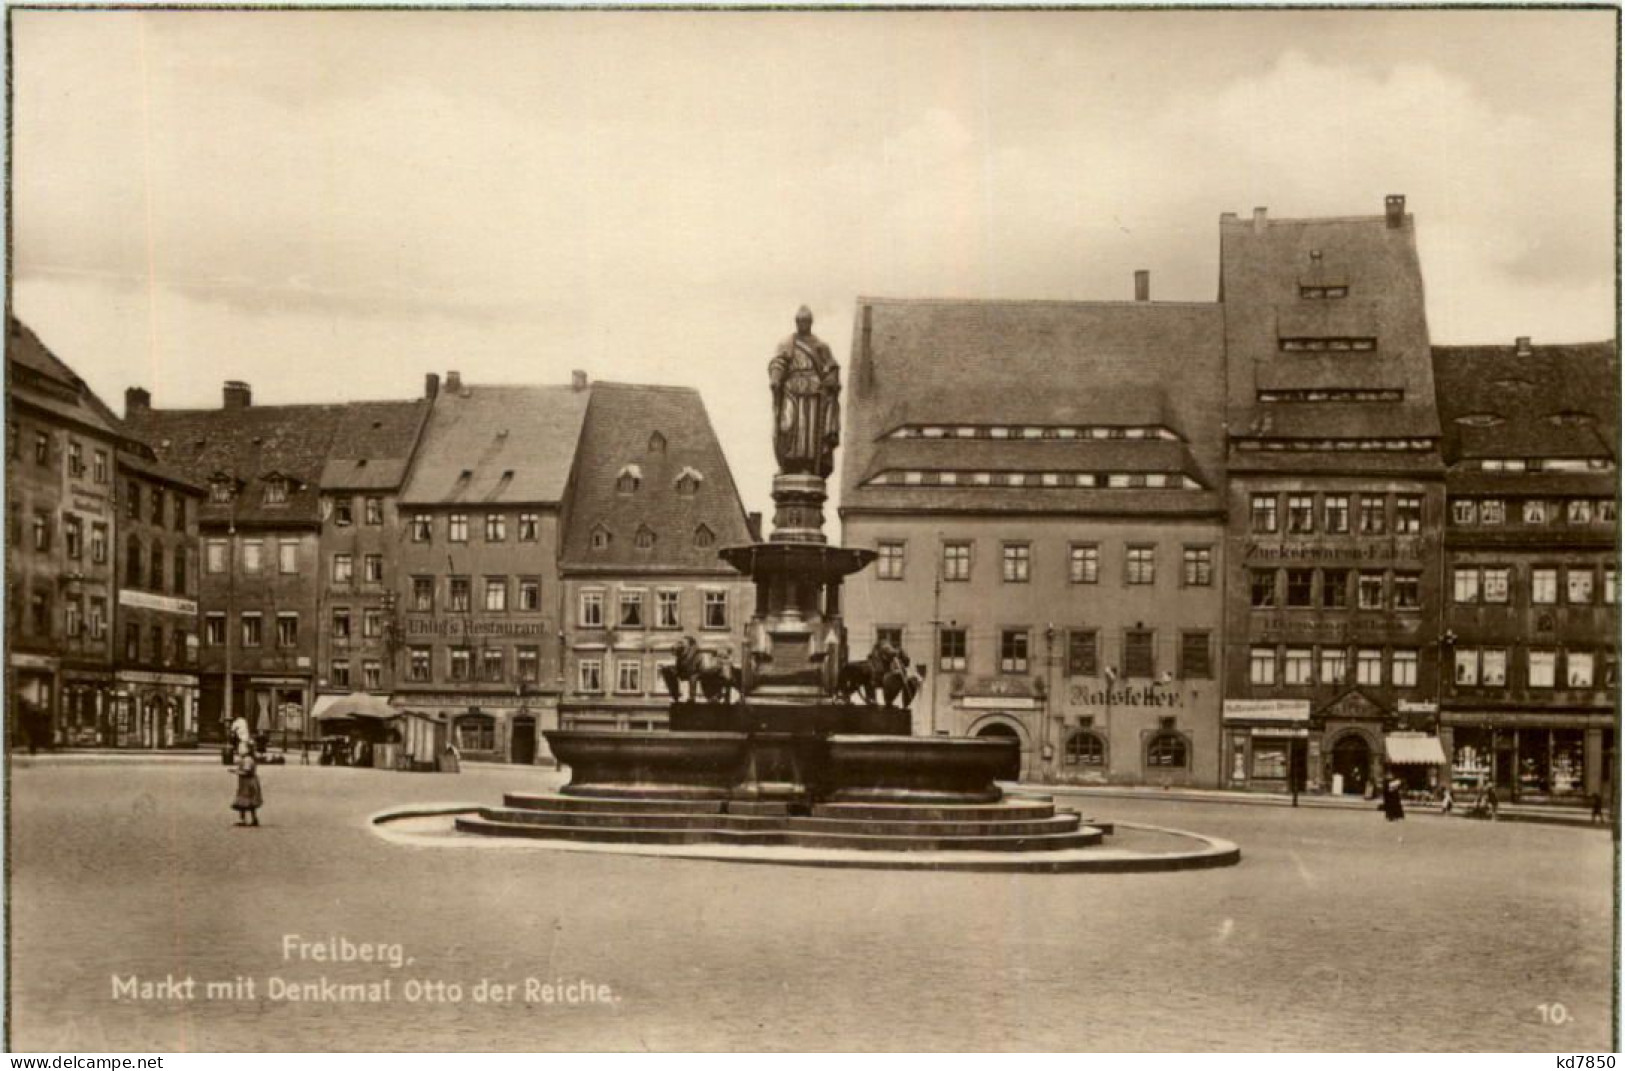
x,y
1270,760
477,733
1167,751
1545,762
1086,748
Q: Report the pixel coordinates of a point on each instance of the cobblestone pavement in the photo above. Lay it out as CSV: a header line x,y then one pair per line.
x,y
1337,931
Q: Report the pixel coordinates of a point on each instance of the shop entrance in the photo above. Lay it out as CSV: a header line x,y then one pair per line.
x,y
524,741
1351,757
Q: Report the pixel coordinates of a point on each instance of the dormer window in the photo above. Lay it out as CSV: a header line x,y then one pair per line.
x,y
688,481
276,491
645,539
220,489
657,443
629,479
1480,420
704,537
1322,293
601,538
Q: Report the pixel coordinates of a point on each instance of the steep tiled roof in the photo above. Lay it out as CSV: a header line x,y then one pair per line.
x,y
497,443
619,437
1264,266
1043,363
373,445
1553,402
248,444
44,380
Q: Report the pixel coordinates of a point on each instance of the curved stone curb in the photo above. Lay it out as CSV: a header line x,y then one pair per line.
x,y
1214,852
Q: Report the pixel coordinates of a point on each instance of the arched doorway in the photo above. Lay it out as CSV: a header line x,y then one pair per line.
x,y
1351,757
1000,730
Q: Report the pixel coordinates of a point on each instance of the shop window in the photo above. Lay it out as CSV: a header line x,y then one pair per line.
x,y
1374,513
889,566
951,653
1581,667
1405,663
1336,512
1013,650
1542,669
1261,665
477,733
1298,667
1083,563
1195,656
1086,748
1368,666
1167,751
1334,665
1300,587
1264,518
1334,589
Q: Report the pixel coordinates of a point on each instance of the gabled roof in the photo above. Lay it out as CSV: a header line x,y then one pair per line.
x,y
1043,363
1553,402
620,423
253,444
488,444
42,379
373,445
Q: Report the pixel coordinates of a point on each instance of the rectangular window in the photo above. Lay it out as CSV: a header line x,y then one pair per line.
x,y
1580,511
1374,514
1142,565
951,654
1336,512
372,622
527,664
40,612
631,610
890,564
1017,559
1464,511
530,594
496,593
491,664
889,636
372,674
1535,511
1542,669
180,514
1467,667
1083,563
1334,589
158,501
288,556
343,511
1407,591
1371,591
76,459
422,593
1494,661
214,630
590,675
460,664
496,527
73,536
1466,586
1262,585
1492,511
340,673
375,511
457,528
529,525
1263,513
1198,567
419,663
182,581
628,675
1408,514
96,619
341,622
715,609
1261,665
1610,585
373,569
459,595
343,568
1139,654
1300,587
1368,666
1334,665
1497,584
253,556
42,448
592,609
1580,586
98,545
1543,587
1082,653
1013,650
1404,668
287,630
1195,656
73,610
422,527
132,641
99,466
956,561
1300,514
253,630
668,612
1298,667
1581,668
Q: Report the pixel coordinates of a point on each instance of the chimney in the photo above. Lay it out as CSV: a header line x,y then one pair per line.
x,y
1396,209
1260,215
1227,217
454,383
1524,348
431,386
578,380
237,395
136,400
1142,285
753,525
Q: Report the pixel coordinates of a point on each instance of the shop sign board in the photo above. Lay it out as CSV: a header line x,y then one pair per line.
x,y
1285,710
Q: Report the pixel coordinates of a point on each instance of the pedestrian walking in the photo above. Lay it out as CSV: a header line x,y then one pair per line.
x,y
249,796
1492,800
1393,808
1596,808
1447,800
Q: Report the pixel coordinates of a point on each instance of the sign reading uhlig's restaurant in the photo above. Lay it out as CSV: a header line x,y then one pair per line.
x,y
461,626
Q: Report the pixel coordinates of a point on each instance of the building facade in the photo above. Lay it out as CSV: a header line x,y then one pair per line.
x,y
60,498
1335,501
155,700
1529,700
1047,509
651,503
359,637
479,599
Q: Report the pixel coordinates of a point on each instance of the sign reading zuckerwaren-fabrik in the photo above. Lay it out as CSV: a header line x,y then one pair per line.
x,y
1380,550
458,626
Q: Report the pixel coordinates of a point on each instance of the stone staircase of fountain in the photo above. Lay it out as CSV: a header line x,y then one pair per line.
x,y
1013,825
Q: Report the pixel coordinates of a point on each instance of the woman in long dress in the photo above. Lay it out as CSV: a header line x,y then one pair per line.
x,y
249,797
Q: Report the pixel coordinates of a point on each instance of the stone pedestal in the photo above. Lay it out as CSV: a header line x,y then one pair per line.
x,y
798,515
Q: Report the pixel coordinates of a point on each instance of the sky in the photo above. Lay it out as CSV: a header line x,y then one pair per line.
x,y
328,205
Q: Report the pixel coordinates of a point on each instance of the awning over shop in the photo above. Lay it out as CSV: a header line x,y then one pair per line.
x,y
1414,750
354,705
